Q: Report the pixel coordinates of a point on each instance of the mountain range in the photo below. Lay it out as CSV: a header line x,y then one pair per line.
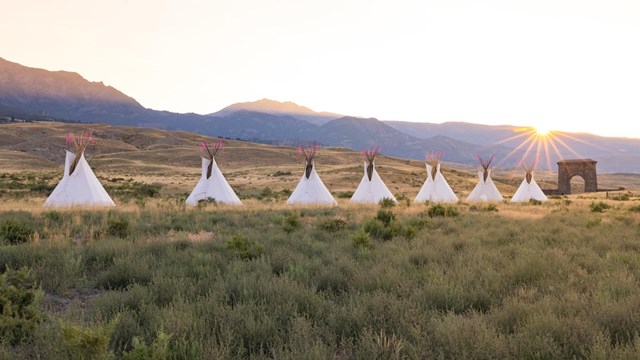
x,y
38,94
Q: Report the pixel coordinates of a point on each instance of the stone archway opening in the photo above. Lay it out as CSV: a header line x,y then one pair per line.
x,y
569,169
577,184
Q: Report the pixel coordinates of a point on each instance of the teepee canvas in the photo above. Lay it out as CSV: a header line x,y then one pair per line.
x,y
79,185
212,184
435,188
485,190
529,189
311,189
371,189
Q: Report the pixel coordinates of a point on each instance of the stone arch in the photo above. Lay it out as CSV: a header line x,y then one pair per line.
x,y
585,168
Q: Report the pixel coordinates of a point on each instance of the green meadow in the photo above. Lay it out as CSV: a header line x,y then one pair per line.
x,y
154,280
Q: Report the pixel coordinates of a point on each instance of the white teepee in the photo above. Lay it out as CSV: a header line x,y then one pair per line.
x,y
212,184
79,185
435,188
485,190
529,189
311,189
371,189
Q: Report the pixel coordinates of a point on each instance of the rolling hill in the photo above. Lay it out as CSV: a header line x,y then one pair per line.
x,y
172,159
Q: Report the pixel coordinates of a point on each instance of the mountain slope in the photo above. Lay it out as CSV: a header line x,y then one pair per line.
x,y
261,127
473,133
357,133
62,94
288,108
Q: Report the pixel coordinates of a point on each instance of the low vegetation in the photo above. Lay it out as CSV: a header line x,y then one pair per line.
x,y
160,281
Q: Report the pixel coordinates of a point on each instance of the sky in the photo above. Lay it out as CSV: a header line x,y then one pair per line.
x,y
571,65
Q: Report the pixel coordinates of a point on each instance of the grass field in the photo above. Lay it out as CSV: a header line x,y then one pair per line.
x,y
153,279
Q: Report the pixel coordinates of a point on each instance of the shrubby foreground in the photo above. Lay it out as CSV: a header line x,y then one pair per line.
x,y
155,281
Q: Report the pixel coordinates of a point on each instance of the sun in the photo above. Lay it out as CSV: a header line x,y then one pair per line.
x,y
542,130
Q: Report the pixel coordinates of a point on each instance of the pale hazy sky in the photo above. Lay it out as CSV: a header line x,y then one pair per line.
x,y
565,64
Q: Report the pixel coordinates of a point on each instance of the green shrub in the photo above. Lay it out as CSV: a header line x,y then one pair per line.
x,y
385,227
124,272
345,195
286,192
599,206
207,201
148,190
158,349
19,305
622,197
439,210
118,227
267,194
385,217
378,230
535,202
332,280
401,197
635,209
53,216
80,342
41,189
245,249
361,240
291,223
386,203
13,232
491,208
332,225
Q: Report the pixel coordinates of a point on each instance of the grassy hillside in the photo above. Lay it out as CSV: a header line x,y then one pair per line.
x,y
171,158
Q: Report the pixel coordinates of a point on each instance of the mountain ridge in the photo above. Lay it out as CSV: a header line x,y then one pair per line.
x,y
273,107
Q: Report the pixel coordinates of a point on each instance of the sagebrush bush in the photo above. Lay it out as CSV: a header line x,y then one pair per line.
x,y
622,197
385,217
244,248
86,342
635,208
332,225
157,350
491,208
379,230
440,210
119,228
124,272
291,223
386,203
345,195
599,206
361,240
13,232
19,305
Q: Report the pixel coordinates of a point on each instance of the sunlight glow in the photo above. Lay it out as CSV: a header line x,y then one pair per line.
x,y
540,143
542,130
